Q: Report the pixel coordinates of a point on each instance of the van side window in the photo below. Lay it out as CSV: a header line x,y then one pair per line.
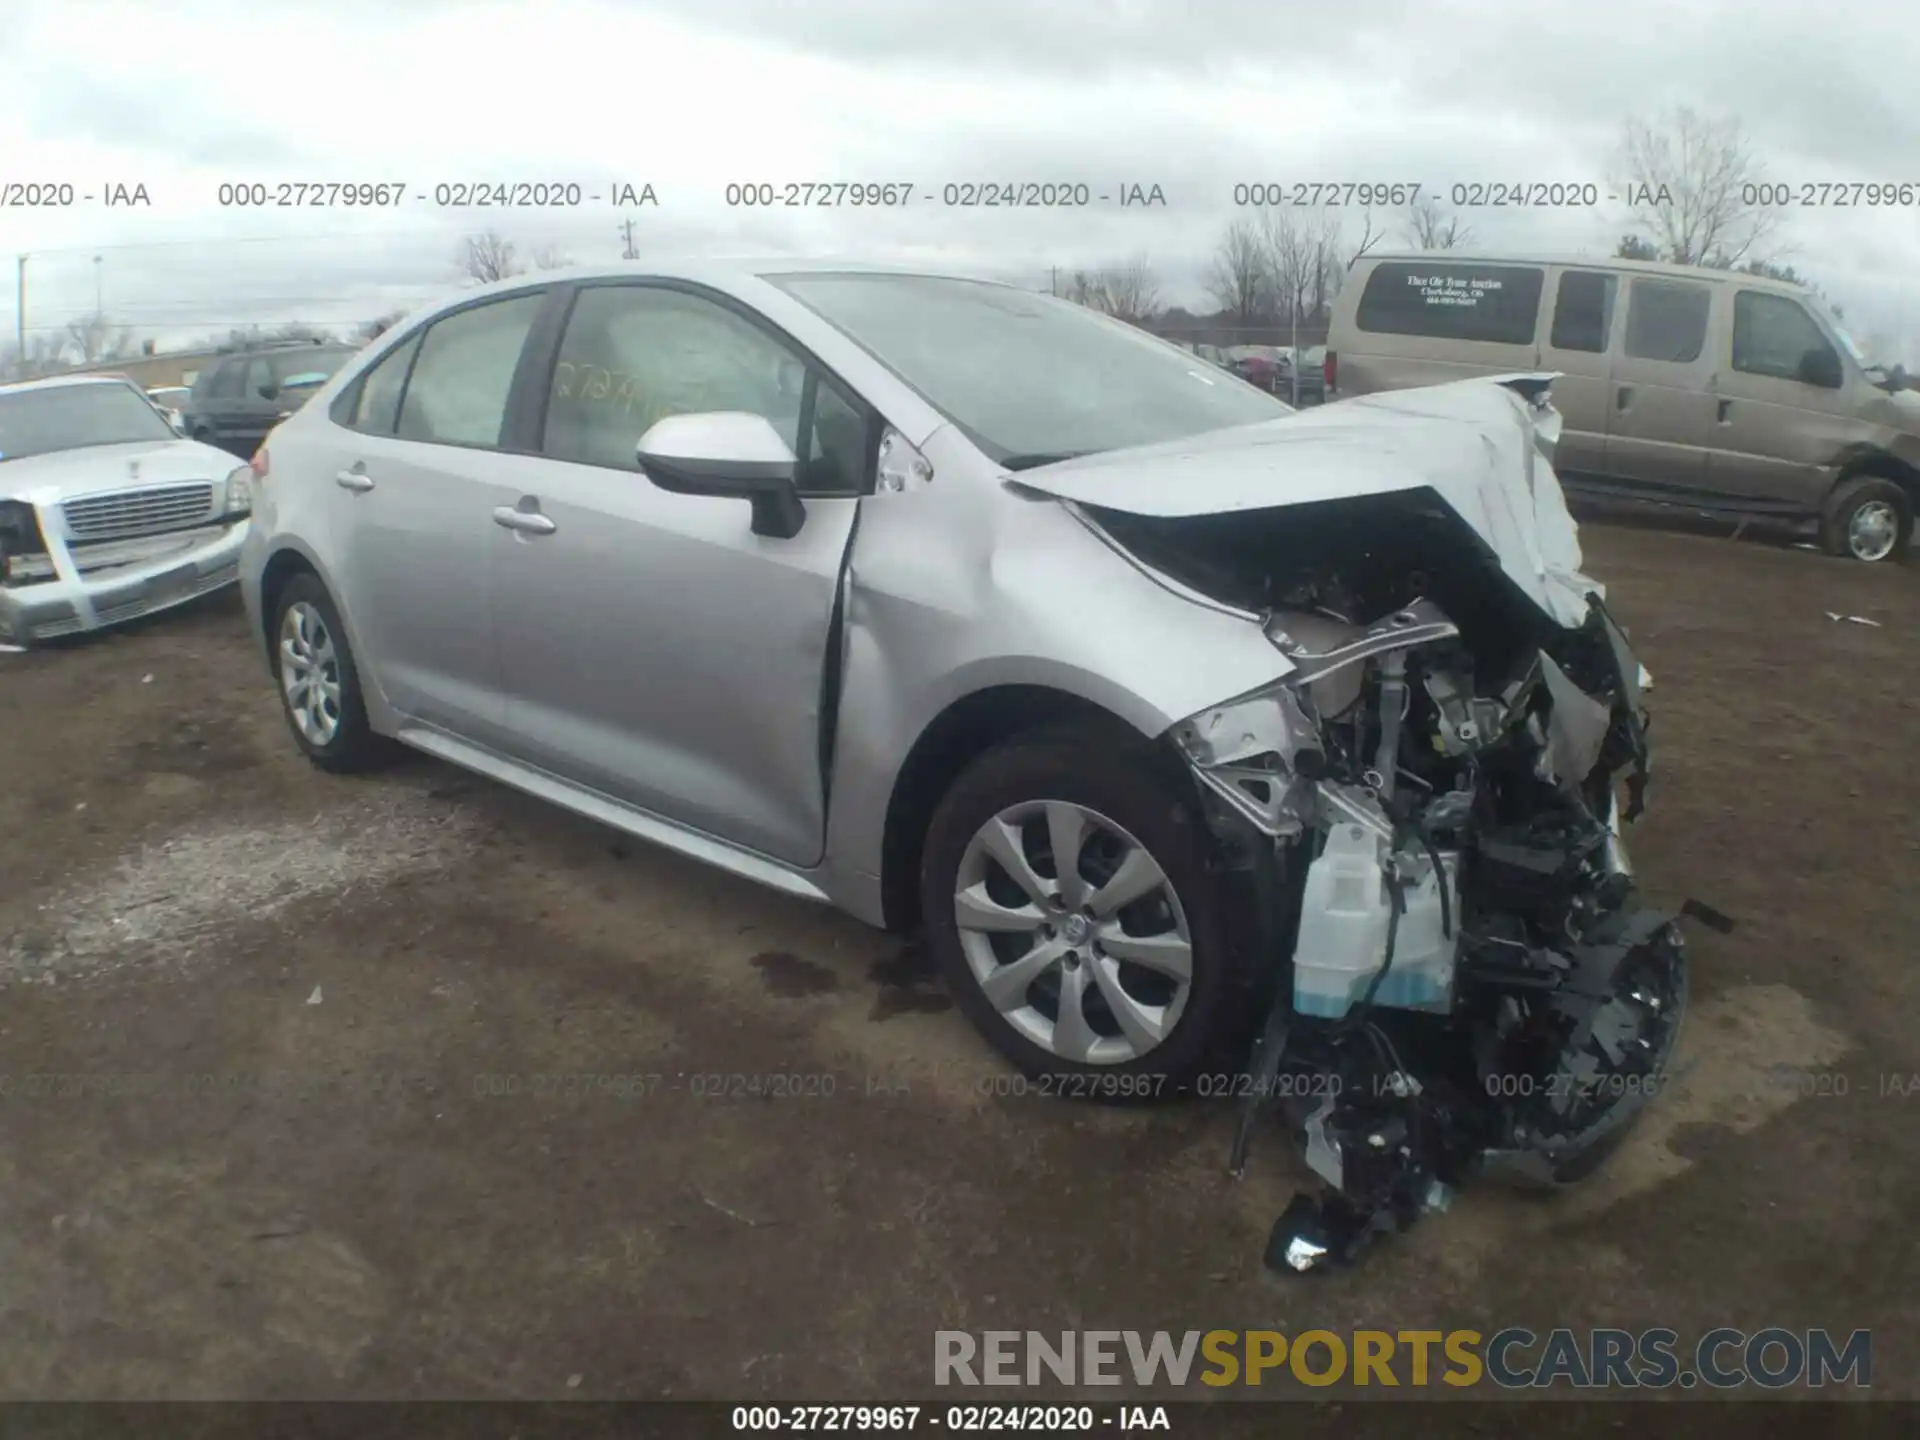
x,y
1772,335
1583,311
1667,320
1447,300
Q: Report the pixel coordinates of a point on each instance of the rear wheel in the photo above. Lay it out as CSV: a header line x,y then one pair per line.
x,y
319,685
1868,518
1070,904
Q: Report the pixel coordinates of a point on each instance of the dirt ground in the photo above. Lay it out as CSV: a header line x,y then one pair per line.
x,y
270,1042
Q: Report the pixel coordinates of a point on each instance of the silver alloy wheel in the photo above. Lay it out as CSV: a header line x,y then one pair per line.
x,y
1115,992
310,673
1872,531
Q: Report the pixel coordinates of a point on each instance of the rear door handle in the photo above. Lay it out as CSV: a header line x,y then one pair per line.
x,y
1726,410
1624,398
525,522
356,480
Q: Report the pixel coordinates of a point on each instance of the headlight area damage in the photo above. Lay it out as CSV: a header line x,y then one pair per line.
x,y
1462,975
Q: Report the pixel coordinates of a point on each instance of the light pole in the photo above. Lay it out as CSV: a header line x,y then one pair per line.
x,y
96,287
20,315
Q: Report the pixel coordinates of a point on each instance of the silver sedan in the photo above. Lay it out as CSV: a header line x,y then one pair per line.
x,y
965,608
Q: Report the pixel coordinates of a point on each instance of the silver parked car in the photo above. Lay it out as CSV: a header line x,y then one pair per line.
x,y
1170,714
107,513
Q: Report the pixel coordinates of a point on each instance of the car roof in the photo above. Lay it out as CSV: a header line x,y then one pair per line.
x,y
55,382
1585,262
723,273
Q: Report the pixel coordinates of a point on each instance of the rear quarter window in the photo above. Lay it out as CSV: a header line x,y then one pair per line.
x,y
1490,304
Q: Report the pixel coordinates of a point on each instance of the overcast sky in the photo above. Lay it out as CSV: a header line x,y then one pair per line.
x,y
690,95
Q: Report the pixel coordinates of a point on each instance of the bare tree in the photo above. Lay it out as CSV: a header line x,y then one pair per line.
x,y
1236,277
375,328
487,257
551,257
1431,228
299,330
44,354
1298,255
1127,291
1636,247
1691,183
97,338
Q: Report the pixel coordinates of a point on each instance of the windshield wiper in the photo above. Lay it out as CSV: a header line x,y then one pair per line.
x,y
1037,459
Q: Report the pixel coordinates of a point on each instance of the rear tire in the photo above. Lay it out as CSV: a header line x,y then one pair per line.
x,y
1117,999
319,685
1868,518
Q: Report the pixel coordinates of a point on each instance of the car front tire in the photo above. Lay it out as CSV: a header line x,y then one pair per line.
x,y
319,685
1868,518
1108,971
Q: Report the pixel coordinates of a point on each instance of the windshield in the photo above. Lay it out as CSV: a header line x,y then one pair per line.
x,y
72,417
1030,378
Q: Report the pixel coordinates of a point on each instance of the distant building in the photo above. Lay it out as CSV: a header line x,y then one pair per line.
x,y
152,371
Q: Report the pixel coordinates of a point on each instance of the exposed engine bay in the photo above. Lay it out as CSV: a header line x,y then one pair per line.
x,y
1460,972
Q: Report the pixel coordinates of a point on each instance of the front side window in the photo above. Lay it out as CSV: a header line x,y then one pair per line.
x,y
635,354
1773,335
1029,378
1583,311
1450,300
73,417
457,394
1667,320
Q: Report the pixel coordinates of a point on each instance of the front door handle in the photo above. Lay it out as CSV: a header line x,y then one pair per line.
x,y
524,522
357,481
1726,410
1624,398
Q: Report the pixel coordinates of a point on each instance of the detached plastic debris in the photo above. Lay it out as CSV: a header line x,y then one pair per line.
x,y
1853,619
13,649
314,999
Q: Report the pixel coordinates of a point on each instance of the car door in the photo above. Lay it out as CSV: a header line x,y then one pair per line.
x,y
1782,411
1579,336
1661,429
417,472
654,648
257,411
214,406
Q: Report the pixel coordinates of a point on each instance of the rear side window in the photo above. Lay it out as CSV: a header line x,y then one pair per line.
x,y
1667,320
1773,335
376,409
457,394
1441,300
1583,311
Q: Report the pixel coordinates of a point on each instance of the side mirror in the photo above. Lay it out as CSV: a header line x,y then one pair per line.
x,y
269,391
1820,366
730,454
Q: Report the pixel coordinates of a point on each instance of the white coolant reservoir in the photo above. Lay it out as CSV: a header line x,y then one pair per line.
x,y
1344,921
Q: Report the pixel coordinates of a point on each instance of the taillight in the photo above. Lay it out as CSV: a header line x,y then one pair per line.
x,y
1328,369
259,463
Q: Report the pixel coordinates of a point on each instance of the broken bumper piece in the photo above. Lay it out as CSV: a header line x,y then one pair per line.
x,y
1466,981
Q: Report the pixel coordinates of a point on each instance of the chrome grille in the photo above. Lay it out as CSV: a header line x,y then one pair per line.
x,y
129,513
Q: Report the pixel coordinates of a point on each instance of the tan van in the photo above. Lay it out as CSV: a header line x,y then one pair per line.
x,y
1701,388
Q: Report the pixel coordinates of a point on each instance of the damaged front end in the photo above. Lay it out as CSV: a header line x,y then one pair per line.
x,y
1462,975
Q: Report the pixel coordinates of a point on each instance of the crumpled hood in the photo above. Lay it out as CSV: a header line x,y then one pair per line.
x,y
65,474
1472,441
